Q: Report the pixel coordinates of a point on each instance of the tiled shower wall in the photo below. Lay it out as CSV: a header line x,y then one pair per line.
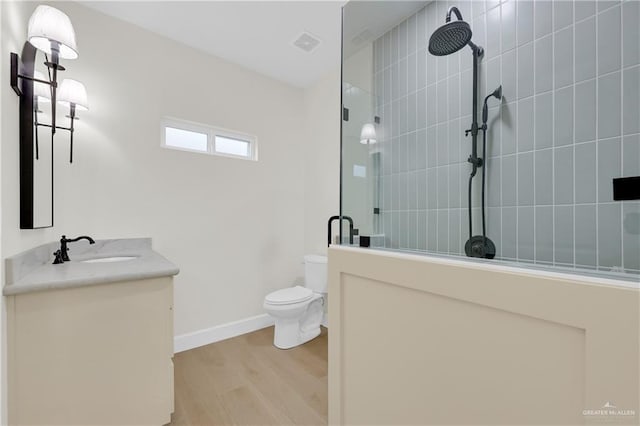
x,y
569,123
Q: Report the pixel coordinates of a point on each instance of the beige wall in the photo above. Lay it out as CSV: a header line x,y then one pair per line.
x,y
322,160
425,340
212,216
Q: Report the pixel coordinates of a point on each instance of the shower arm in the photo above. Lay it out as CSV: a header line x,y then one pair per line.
x,y
454,10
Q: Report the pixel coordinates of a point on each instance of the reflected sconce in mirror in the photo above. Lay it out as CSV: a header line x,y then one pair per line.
x,y
368,133
41,95
72,94
51,32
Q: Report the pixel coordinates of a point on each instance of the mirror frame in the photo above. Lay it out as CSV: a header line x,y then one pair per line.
x,y
27,123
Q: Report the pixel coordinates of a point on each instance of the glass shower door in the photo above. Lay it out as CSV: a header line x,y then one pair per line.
x,y
360,163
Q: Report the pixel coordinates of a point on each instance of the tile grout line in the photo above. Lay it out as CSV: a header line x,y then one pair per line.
x,y
553,139
622,98
573,174
597,144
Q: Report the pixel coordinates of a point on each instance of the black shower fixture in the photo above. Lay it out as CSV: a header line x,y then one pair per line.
x,y
480,245
452,36
446,40
485,110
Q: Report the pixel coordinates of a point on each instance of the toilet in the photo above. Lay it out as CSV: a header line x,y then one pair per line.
x,y
298,311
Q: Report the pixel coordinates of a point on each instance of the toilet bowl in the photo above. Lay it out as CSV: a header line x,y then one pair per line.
x,y
298,311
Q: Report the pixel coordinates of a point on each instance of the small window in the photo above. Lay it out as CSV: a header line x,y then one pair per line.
x,y
232,146
188,136
185,139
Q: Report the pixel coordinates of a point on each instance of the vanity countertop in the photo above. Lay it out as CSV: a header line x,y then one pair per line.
x,y
33,270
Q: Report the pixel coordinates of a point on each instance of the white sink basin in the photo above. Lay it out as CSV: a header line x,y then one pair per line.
x,y
109,259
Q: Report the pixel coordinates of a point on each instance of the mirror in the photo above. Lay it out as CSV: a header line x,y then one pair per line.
x,y
36,146
42,163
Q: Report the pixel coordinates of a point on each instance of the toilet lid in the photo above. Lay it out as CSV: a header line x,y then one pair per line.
x,y
289,295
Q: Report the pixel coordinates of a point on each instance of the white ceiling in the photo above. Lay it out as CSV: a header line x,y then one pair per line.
x,y
259,35
254,34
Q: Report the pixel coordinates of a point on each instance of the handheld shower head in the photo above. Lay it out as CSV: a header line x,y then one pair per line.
x,y
485,112
497,93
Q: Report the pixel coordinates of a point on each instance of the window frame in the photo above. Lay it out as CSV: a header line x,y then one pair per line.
x,y
211,132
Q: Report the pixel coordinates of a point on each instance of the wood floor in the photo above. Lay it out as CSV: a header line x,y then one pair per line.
x,y
247,381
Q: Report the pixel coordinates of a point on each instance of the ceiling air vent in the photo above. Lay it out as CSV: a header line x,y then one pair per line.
x,y
307,42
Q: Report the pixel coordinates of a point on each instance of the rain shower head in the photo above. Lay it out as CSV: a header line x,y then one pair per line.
x,y
450,37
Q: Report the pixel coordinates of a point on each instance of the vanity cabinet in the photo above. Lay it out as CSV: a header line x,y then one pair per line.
x,y
97,354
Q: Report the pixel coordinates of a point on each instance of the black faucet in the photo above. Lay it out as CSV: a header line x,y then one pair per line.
x,y
331,219
62,255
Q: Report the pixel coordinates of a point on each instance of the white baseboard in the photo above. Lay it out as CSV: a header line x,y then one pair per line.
x,y
220,332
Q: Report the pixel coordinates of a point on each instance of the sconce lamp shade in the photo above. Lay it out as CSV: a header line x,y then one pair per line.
x,y
41,91
46,25
73,92
368,134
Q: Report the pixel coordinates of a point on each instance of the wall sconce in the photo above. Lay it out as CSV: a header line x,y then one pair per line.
x,y
50,31
74,95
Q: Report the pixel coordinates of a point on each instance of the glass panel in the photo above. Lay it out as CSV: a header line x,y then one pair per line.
x,y
225,145
540,184
358,174
185,139
366,129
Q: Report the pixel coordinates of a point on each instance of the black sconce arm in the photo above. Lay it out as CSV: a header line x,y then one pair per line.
x,y
15,75
52,65
71,129
57,127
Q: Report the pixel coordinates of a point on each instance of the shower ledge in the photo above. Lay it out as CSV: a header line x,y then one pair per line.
x,y
33,270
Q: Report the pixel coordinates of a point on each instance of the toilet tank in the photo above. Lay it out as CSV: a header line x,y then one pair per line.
x,y
315,273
